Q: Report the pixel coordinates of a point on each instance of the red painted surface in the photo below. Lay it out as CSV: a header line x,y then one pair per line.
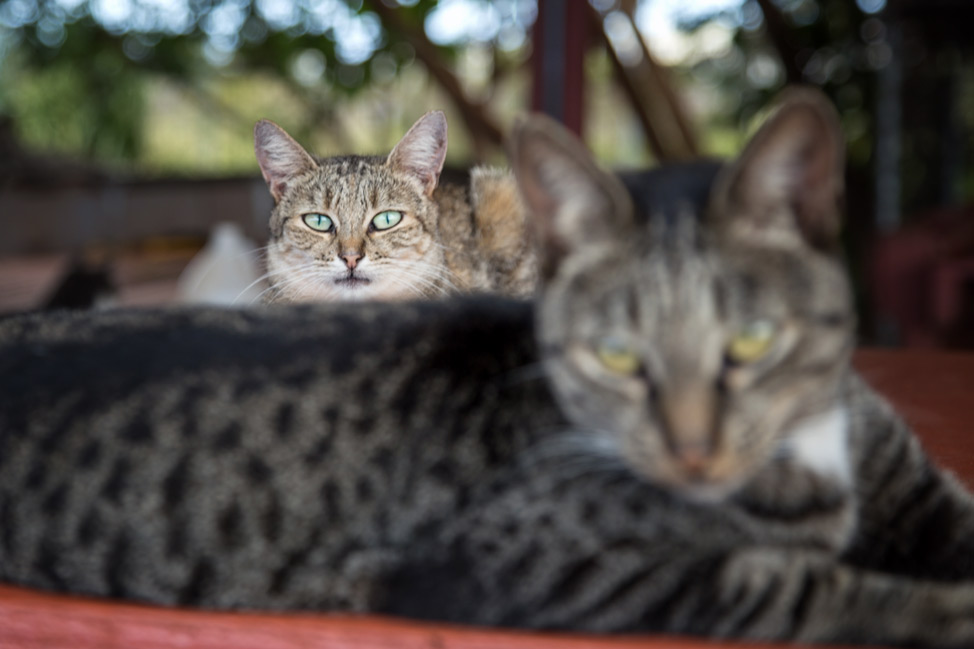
x,y
30,620
935,391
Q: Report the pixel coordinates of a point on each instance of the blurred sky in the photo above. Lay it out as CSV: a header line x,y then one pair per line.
x,y
464,20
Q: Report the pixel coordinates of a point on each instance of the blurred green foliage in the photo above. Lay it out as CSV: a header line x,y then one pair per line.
x,y
84,76
74,73
832,44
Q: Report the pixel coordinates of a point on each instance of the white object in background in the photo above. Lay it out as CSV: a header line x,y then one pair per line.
x,y
225,271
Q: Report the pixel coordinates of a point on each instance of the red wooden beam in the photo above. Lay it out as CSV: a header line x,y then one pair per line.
x,y
560,38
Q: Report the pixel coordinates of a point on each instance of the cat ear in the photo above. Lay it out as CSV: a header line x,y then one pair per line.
x,y
279,156
573,202
422,150
788,183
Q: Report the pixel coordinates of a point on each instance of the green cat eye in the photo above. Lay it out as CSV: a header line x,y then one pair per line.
x,y
616,357
318,222
752,342
387,219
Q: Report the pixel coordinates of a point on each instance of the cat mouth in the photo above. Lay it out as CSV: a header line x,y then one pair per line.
x,y
352,281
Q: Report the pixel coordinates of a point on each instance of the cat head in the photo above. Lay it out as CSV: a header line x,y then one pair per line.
x,y
354,227
701,319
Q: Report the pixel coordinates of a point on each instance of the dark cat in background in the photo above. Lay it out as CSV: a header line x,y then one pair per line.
x,y
700,457
82,285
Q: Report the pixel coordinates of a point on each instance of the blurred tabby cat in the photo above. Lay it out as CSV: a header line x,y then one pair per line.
x,y
365,227
701,459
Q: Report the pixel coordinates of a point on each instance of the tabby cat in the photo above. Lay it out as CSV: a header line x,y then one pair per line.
x,y
699,458
367,227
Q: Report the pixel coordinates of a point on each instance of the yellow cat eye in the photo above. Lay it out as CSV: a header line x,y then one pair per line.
x,y
616,357
318,222
386,220
752,342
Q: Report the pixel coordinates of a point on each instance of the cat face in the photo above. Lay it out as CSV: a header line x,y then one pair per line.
x,y
703,335
354,227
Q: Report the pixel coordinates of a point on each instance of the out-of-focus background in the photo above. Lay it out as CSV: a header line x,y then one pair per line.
x,y
126,125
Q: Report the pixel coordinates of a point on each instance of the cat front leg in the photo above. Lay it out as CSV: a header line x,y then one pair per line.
x,y
806,597
757,593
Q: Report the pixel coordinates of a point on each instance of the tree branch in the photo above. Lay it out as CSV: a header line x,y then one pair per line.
x,y
646,82
780,35
482,127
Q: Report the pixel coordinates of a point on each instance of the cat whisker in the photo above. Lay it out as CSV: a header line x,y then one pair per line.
x,y
399,281
446,278
277,289
427,279
575,444
300,275
405,285
579,468
291,271
446,247
440,271
259,251
254,283
209,269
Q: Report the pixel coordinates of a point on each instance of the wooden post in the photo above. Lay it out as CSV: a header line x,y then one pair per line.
x,y
560,39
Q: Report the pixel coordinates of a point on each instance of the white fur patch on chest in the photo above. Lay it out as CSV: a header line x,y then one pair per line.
x,y
822,445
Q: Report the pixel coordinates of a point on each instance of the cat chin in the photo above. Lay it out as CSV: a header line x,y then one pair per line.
x,y
710,494
704,492
371,289
357,291
699,489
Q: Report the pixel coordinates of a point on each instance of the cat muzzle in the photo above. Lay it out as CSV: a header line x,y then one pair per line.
x,y
353,280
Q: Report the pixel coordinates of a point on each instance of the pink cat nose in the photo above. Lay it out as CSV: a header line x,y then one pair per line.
x,y
351,259
694,458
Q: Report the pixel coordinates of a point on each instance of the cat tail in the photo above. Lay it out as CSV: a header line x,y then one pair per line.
x,y
916,519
